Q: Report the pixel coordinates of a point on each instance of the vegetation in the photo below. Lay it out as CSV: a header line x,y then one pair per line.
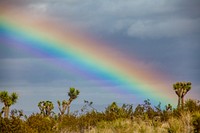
x,y
145,118
181,89
7,100
73,94
46,107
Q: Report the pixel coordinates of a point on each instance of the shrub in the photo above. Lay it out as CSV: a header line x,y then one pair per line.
x,y
40,124
145,111
196,122
192,105
13,125
68,123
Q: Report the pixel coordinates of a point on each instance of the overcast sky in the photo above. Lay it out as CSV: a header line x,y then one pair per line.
x,y
161,34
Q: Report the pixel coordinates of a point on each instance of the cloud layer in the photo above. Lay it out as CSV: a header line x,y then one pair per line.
x,y
138,18
161,34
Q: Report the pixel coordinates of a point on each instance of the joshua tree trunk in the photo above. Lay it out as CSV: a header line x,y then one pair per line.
x,y
62,108
68,106
68,109
182,103
6,111
179,102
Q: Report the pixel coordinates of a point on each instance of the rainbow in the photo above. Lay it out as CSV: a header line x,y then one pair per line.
x,y
84,56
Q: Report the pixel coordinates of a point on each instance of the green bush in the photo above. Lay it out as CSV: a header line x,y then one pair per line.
x,y
40,124
145,111
114,112
5,125
13,125
196,122
192,105
68,123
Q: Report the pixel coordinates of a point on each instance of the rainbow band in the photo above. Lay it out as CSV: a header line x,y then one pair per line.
x,y
89,58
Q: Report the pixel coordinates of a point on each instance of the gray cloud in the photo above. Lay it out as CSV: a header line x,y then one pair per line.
x,y
162,35
164,28
138,18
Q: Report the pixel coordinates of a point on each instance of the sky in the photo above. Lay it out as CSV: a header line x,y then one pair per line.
x,y
161,36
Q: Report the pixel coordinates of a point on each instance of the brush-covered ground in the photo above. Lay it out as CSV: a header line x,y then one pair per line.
x,y
115,119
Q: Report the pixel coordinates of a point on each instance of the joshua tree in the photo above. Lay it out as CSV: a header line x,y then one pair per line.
x,y
46,107
62,108
178,91
73,94
8,100
181,89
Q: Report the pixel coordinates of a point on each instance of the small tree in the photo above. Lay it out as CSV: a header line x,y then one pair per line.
x,y
46,107
192,105
62,108
73,94
7,100
145,111
181,89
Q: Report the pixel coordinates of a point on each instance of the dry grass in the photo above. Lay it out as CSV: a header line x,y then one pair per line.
x,y
173,125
